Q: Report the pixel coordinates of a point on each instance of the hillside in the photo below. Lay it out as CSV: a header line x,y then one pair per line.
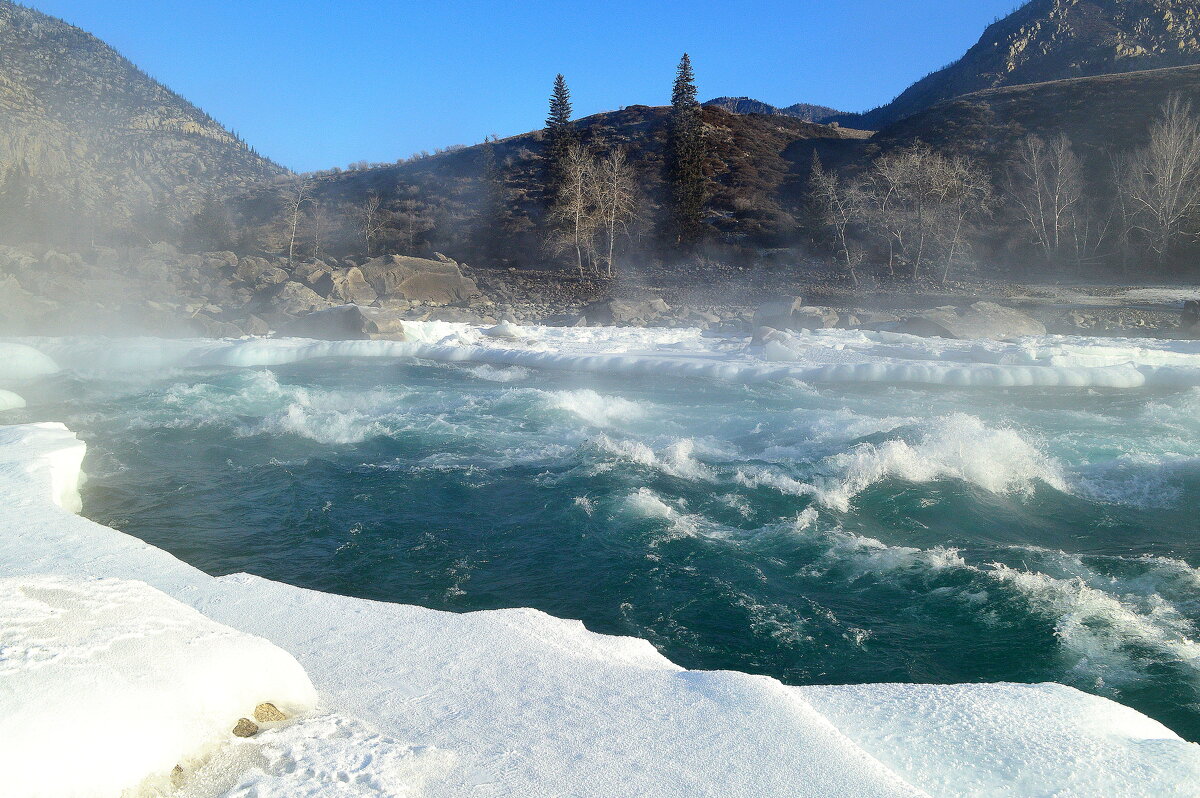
x,y
485,203
802,111
1102,114
1048,40
93,148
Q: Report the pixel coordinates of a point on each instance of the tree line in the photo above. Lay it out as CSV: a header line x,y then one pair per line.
x,y
593,193
911,212
915,212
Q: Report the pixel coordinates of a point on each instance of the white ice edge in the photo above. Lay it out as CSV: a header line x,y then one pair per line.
x,y
826,356
515,702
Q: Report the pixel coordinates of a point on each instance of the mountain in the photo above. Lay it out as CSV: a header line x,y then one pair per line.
x,y
93,148
802,111
1103,115
1047,40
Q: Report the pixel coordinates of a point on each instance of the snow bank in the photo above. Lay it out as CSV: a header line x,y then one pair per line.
x,y
19,362
515,702
820,356
10,401
126,680
46,460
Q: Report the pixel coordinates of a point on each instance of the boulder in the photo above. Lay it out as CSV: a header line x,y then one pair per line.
x,y
791,313
245,728
419,279
311,273
208,327
259,273
268,713
1189,321
253,325
616,312
979,320
347,323
346,286
293,299
454,314
874,320
812,317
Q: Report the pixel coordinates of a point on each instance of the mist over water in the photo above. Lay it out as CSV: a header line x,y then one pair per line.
x,y
838,534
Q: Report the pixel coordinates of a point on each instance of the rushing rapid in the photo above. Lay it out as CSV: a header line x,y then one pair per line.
x,y
818,532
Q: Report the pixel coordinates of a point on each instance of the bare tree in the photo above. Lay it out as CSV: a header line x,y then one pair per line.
x,y
370,220
1046,188
319,223
299,194
410,220
615,199
1161,181
574,212
839,206
920,202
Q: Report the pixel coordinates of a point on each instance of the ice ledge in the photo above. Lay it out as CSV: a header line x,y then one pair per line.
x,y
518,703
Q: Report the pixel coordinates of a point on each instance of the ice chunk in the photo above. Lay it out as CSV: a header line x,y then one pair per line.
x,y
125,681
20,362
46,458
10,401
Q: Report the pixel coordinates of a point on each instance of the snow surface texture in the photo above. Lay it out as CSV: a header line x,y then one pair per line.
x,y
822,356
126,679
517,703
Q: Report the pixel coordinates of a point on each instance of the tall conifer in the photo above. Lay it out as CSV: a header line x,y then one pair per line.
x,y
685,160
559,135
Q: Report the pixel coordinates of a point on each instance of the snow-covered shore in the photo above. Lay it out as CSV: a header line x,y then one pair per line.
x,y
411,701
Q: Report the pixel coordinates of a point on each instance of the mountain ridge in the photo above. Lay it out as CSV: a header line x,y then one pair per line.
x,y
805,112
1045,40
90,143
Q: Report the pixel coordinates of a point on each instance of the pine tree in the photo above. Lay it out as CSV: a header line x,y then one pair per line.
x,y
685,160
560,135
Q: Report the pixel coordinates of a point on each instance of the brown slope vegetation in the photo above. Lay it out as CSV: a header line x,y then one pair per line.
x,y
93,148
1102,115
1047,40
757,167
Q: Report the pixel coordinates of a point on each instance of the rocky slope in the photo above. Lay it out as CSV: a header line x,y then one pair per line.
x,y
93,148
1056,39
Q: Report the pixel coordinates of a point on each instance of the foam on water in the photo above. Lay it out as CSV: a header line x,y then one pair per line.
x,y
259,404
1111,636
824,356
955,447
593,408
958,446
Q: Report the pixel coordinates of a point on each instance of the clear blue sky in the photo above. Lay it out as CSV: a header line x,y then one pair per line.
x,y
320,83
